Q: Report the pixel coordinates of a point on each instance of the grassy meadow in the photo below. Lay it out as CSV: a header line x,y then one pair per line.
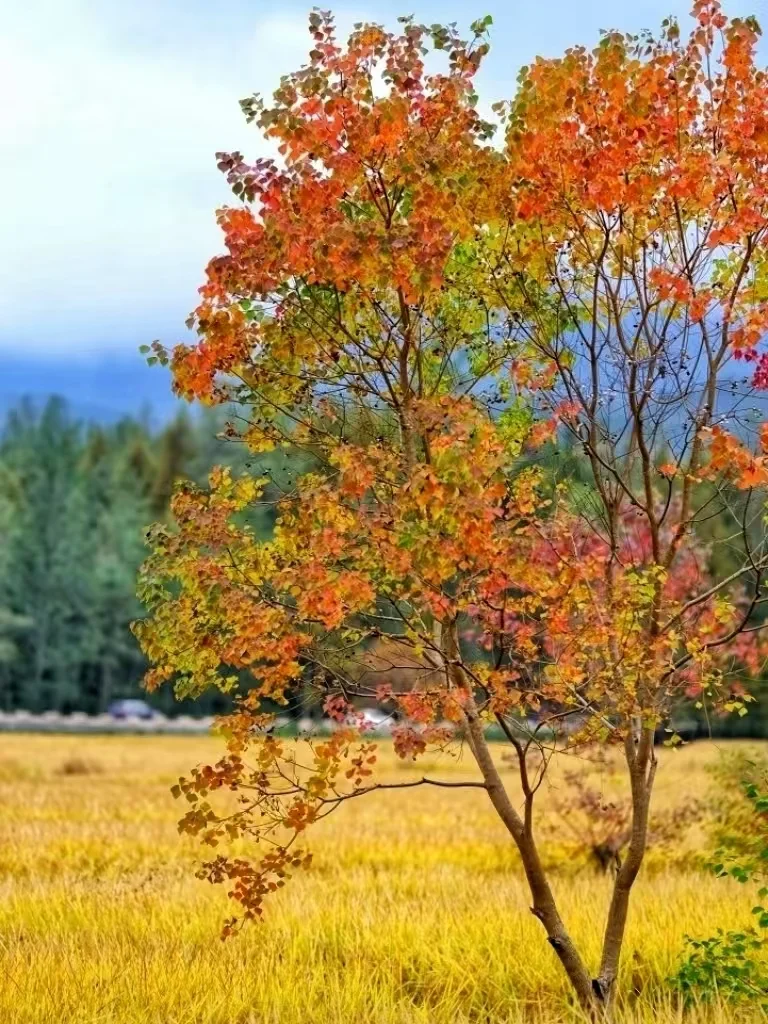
x,y
415,911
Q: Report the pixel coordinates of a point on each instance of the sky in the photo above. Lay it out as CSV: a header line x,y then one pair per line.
x,y
110,116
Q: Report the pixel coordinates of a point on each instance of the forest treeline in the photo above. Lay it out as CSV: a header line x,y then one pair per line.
x,y
75,503
76,499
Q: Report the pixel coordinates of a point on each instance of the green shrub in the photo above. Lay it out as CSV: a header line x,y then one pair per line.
x,y
733,964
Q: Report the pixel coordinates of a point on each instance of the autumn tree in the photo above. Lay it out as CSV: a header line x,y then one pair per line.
x,y
593,283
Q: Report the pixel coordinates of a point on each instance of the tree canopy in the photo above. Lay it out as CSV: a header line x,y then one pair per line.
x,y
428,316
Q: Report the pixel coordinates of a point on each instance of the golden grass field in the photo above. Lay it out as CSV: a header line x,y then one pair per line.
x,y
413,913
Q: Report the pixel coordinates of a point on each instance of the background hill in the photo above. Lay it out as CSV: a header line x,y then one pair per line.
x,y
100,389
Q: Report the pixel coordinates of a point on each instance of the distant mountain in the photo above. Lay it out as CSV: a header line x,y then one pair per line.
x,y
102,388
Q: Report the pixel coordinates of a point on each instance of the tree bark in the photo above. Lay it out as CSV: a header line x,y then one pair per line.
x,y
544,906
595,995
641,761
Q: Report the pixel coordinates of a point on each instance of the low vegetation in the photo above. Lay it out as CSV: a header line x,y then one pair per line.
x,y
413,912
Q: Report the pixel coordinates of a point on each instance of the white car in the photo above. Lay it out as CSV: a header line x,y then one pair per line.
x,y
376,720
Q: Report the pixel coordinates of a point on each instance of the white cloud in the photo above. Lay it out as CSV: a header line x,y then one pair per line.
x,y
110,113
107,169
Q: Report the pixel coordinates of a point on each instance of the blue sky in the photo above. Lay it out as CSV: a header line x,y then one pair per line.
x,y
112,111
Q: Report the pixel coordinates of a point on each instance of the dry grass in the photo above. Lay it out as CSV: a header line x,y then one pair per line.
x,y
76,765
414,913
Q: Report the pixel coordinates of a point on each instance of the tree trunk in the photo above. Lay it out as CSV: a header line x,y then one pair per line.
x,y
641,761
544,906
595,995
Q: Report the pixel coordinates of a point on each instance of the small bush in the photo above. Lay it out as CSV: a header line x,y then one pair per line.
x,y
602,827
727,966
733,964
740,826
79,766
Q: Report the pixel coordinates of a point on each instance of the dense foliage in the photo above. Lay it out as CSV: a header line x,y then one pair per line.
x,y
421,312
75,500
71,563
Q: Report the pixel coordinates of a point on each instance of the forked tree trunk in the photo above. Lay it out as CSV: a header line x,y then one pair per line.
x,y
641,762
595,995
